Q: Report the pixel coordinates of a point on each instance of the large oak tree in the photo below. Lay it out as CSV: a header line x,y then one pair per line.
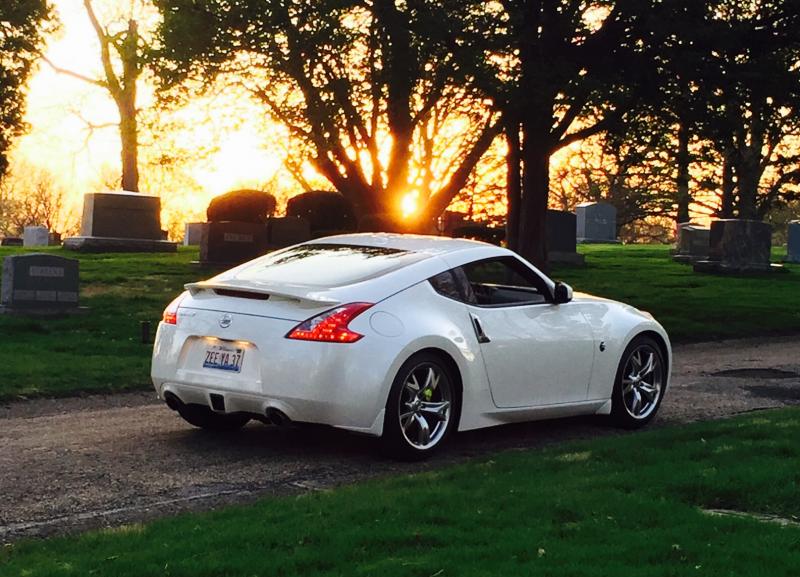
x,y
362,84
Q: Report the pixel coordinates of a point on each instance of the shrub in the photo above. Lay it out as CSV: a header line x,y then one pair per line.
x,y
242,206
324,210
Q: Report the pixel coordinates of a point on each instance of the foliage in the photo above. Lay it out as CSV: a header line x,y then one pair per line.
x,y
23,24
753,92
366,88
124,289
559,72
620,505
324,210
31,197
242,205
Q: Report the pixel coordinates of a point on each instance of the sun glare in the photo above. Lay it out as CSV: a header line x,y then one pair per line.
x,y
409,204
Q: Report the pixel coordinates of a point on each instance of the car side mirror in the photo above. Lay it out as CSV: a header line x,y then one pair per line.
x,y
562,293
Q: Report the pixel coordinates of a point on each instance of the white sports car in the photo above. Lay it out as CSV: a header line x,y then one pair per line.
x,y
404,337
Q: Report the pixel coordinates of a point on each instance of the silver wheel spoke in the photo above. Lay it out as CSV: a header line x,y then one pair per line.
x,y
649,391
627,386
431,381
436,411
648,367
412,383
636,403
424,436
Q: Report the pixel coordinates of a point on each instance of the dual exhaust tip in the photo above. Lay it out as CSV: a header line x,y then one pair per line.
x,y
271,415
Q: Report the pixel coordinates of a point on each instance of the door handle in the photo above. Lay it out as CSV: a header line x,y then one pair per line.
x,y
476,324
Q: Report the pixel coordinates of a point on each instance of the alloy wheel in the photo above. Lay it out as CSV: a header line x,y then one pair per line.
x,y
642,380
425,406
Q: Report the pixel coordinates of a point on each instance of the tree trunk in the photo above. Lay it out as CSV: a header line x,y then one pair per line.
x,y
129,135
683,195
728,186
532,241
748,177
513,183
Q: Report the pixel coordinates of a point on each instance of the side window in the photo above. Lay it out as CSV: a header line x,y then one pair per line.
x,y
445,284
505,281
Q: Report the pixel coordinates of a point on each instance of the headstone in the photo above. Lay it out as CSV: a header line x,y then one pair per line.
x,y
192,233
35,236
54,239
121,222
12,241
231,243
738,246
693,243
596,222
452,220
793,242
39,284
283,232
561,238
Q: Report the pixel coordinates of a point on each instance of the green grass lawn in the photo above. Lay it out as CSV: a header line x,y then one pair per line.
x,y
691,306
101,351
625,505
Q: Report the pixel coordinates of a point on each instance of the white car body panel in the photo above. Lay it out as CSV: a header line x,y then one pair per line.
x,y
542,361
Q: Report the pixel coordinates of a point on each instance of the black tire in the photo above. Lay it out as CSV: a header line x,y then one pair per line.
x,y
204,418
397,439
649,387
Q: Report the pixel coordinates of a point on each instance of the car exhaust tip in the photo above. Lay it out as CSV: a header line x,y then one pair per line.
x,y
173,402
278,417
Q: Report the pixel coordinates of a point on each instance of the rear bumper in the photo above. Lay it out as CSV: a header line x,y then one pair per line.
x,y
299,410
307,381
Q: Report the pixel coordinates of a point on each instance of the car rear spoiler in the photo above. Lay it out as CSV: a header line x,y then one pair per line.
x,y
300,294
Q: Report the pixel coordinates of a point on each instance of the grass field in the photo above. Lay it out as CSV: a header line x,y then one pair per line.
x,y
101,351
627,505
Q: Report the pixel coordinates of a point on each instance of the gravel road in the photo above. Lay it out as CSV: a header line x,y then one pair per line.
x,y
68,465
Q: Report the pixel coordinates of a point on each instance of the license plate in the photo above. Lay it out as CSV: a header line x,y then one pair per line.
x,y
224,358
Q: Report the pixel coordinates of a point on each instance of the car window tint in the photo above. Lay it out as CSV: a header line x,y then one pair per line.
x,y
325,265
504,281
445,284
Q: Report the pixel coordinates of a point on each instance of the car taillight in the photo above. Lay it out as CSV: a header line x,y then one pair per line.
x,y
330,326
170,315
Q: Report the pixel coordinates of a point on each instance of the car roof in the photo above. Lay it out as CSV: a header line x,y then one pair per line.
x,y
434,245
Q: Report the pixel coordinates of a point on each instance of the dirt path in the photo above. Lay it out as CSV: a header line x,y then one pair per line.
x,y
73,464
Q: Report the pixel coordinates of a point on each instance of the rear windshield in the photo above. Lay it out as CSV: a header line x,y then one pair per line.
x,y
327,265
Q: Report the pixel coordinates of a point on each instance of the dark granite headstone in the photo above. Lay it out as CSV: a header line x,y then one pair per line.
x,y
283,232
596,222
793,242
561,238
54,239
693,243
121,222
231,243
12,241
39,283
738,246
451,220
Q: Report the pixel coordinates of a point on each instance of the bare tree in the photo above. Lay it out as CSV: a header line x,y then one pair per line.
x,y
122,58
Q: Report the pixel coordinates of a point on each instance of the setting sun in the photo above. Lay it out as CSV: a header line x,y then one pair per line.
x,y
409,204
